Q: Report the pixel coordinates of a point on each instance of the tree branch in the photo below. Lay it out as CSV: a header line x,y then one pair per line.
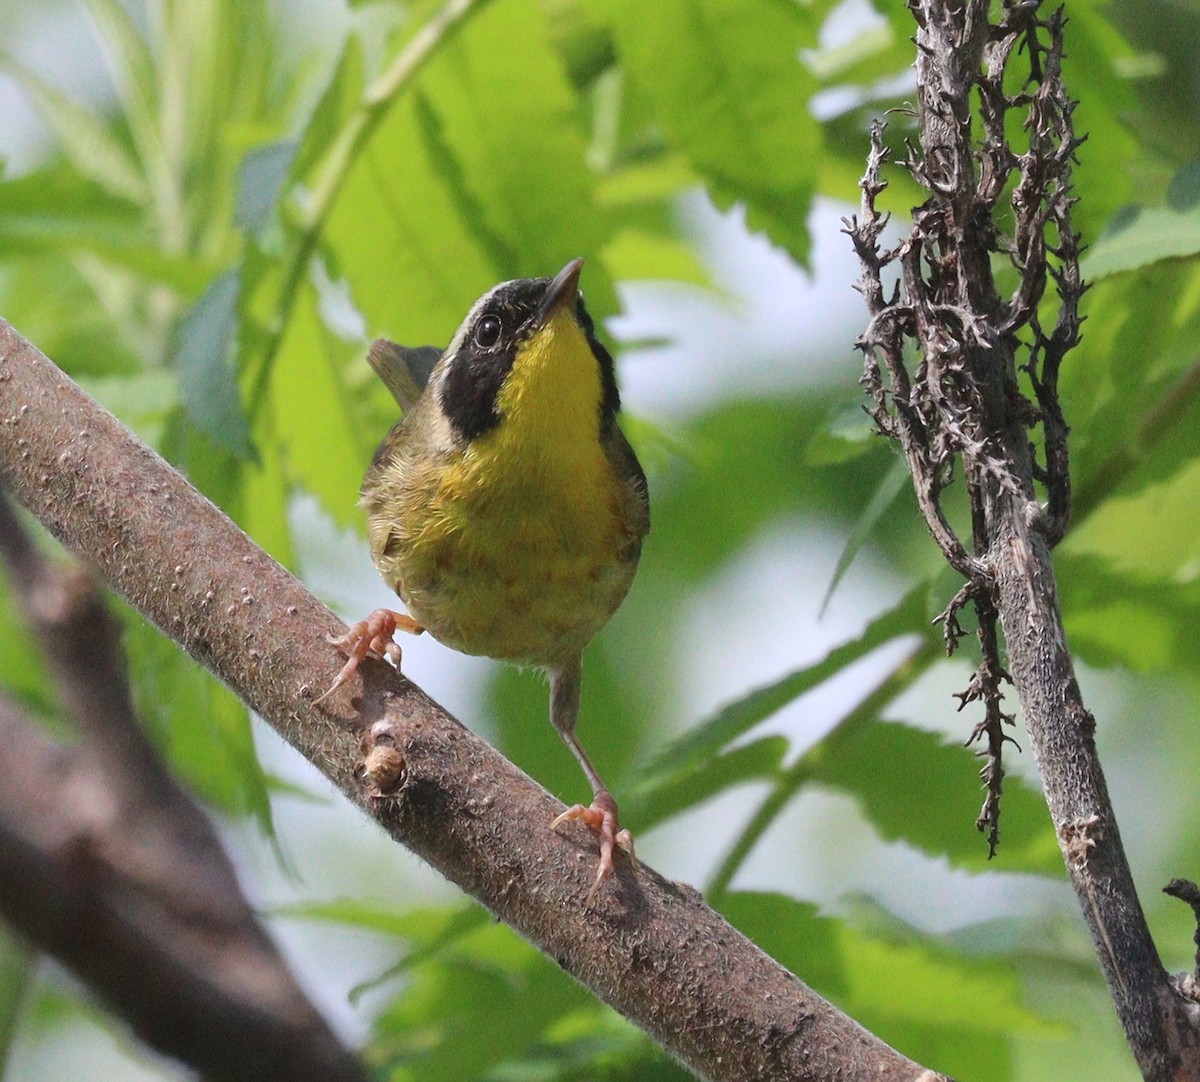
x,y
964,402
107,864
648,947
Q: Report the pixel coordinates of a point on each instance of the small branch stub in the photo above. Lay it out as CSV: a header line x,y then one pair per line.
x,y
381,772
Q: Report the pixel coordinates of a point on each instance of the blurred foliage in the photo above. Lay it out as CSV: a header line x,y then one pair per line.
x,y
208,251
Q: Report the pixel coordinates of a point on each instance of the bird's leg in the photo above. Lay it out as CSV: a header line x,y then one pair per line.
x,y
601,815
370,636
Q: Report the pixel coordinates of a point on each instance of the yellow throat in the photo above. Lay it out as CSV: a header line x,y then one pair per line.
x,y
550,405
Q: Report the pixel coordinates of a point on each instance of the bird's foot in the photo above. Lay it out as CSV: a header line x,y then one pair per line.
x,y
371,637
601,816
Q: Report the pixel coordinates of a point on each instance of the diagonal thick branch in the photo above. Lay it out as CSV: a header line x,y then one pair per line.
x,y
963,405
650,948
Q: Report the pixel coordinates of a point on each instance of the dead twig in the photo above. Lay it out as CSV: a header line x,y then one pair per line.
x,y
965,379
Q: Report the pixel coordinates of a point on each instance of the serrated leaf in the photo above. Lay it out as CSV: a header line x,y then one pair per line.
x,y
895,771
695,746
522,155
412,265
955,1012
650,804
324,447
1143,235
637,254
890,487
450,195
506,997
85,138
207,384
726,85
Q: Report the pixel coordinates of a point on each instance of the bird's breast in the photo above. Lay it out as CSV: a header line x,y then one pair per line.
x,y
523,560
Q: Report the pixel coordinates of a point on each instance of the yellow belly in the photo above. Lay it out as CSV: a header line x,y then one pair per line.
x,y
518,569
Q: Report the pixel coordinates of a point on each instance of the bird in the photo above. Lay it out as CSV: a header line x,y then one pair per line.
x,y
506,508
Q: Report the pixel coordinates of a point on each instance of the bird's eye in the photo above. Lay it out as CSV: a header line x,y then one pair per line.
x,y
487,334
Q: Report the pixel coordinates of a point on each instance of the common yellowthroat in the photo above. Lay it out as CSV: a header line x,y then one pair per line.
x,y
506,508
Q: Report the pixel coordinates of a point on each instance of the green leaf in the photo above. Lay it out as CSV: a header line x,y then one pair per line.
x,y
1118,614
1143,235
849,434
23,671
324,450
793,933
895,772
694,747
522,156
84,138
16,977
956,1012
726,86
261,179
62,207
143,400
893,483
591,1046
1117,530
875,54
506,998
639,182
429,931
756,449
134,69
636,254
207,385
199,727
649,804
413,266
338,101
56,211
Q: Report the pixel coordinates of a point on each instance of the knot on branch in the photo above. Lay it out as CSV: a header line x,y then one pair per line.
x,y
959,375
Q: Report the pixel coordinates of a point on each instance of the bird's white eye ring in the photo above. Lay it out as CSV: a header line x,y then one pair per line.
x,y
487,332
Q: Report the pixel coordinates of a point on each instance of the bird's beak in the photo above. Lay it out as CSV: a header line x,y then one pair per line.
x,y
563,290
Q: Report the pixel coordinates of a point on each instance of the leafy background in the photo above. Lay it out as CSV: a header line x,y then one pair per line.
x,y
209,207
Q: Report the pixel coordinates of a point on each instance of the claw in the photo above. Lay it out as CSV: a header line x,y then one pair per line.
x,y
371,637
601,816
